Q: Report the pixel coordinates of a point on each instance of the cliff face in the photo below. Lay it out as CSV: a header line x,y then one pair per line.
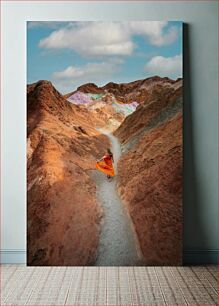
x,y
62,146
150,172
163,100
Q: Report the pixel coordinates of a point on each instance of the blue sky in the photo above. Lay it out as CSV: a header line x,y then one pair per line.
x,y
70,54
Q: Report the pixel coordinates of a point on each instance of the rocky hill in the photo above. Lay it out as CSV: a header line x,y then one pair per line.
x,y
150,172
62,145
137,91
113,102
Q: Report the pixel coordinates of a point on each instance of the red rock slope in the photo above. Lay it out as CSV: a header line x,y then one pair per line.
x,y
150,172
62,212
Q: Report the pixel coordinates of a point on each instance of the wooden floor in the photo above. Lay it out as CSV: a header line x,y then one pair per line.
x,y
23,285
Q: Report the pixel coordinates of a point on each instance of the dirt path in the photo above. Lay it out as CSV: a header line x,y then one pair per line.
x,y
118,244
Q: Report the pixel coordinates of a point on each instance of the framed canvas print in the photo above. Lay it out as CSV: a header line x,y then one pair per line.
x,y
104,143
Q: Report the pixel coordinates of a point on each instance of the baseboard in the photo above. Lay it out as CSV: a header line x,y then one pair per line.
x,y
13,256
190,257
200,257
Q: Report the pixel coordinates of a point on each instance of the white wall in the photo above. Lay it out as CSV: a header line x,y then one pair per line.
x,y
200,117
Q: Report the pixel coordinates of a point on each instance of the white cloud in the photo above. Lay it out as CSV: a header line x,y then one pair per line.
x,y
74,76
91,70
154,31
165,66
91,39
165,39
108,38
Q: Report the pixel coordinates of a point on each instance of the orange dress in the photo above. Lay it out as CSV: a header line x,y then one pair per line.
x,y
106,165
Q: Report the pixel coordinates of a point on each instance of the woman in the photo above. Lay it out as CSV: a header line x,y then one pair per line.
x,y
105,164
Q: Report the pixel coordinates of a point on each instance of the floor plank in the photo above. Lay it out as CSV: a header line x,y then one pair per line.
x,y
103,286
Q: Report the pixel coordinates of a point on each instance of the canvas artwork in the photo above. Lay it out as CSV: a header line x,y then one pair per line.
x,y
104,143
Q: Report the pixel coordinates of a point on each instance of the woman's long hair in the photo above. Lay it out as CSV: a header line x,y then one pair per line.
x,y
110,153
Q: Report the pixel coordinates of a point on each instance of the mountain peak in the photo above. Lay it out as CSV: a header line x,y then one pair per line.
x,y
43,96
89,88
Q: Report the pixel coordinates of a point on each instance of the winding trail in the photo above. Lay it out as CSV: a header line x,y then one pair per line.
x,y
118,243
